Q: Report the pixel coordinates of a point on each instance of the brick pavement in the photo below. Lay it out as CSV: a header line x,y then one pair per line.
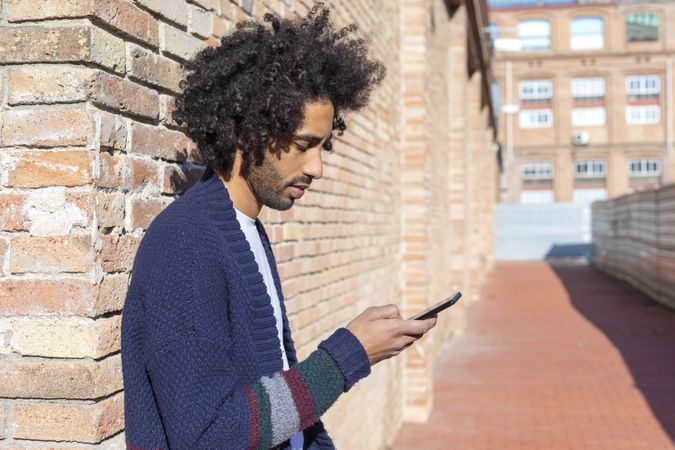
x,y
554,357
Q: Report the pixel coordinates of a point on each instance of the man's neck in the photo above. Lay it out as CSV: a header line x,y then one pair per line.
x,y
240,194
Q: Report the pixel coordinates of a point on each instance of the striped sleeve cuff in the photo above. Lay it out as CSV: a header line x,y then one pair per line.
x,y
292,400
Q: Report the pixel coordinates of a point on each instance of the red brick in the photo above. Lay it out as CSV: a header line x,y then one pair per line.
x,y
32,44
167,106
111,167
118,251
211,5
113,131
39,297
49,168
221,26
3,251
179,44
12,213
50,254
50,127
129,19
200,22
23,10
87,423
154,69
143,211
110,209
53,379
159,142
124,96
173,10
142,173
111,293
180,178
47,84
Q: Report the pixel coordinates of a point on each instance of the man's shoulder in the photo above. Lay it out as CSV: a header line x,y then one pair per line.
x,y
183,224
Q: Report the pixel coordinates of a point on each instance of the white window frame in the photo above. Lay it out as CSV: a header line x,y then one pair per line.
x,y
590,168
643,114
524,39
525,118
647,167
537,170
589,117
582,42
643,85
535,91
588,88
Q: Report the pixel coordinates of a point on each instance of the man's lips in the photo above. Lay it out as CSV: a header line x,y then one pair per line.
x,y
297,191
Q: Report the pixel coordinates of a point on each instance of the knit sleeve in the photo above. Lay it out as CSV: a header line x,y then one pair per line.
x,y
186,378
193,377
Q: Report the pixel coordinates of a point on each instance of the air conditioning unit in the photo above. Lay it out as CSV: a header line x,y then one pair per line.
x,y
580,138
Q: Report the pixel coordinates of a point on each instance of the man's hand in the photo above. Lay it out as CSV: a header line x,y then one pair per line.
x,y
383,333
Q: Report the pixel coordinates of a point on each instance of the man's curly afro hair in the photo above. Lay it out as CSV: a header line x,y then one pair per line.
x,y
253,87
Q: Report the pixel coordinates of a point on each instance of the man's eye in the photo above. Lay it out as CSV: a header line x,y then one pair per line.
x,y
302,147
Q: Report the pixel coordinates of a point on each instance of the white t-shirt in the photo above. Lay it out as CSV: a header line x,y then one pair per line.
x,y
251,232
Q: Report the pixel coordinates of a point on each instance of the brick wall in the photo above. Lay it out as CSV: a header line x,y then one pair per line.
x,y
89,156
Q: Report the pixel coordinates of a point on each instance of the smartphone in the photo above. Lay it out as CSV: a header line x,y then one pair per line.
x,y
448,302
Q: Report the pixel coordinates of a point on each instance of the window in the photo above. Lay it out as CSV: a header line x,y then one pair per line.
x,y
538,170
645,114
643,87
589,169
537,197
644,167
587,33
589,195
535,118
534,35
535,91
588,116
588,89
642,27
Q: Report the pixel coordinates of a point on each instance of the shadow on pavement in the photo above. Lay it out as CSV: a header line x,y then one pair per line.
x,y
642,330
581,251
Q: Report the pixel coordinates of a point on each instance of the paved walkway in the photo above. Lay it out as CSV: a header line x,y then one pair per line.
x,y
554,357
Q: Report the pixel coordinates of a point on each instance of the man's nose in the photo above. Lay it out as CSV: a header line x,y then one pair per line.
x,y
313,165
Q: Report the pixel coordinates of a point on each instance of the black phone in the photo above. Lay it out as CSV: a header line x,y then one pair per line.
x,y
448,302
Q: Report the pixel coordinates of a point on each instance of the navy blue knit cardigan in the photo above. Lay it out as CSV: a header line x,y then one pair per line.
x,y
201,362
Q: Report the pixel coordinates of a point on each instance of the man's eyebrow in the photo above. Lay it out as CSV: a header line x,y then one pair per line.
x,y
309,137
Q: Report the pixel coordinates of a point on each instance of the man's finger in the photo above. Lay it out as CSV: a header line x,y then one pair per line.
x,y
413,327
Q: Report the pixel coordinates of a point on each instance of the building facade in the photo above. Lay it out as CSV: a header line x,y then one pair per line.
x,y
585,97
89,155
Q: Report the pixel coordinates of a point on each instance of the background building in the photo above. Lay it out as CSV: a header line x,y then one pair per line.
x,y
89,155
585,94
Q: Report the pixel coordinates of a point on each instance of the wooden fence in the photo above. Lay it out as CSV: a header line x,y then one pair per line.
x,y
634,239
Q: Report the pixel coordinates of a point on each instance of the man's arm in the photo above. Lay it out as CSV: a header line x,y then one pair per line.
x,y
185,377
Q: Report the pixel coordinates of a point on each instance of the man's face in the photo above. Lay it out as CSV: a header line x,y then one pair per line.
x,y
283,176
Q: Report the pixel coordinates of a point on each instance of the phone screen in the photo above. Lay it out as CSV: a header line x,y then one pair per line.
x,y
448,302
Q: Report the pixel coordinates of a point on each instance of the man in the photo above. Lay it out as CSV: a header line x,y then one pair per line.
x,y
207,355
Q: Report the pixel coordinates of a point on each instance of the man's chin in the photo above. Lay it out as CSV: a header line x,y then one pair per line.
x,y
281,205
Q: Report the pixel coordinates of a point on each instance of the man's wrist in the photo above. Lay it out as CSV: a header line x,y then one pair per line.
x,y
349,355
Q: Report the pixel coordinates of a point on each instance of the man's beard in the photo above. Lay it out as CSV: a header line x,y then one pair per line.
x,y
268,186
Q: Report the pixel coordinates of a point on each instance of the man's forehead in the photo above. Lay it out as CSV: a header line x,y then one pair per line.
x,y
318,122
